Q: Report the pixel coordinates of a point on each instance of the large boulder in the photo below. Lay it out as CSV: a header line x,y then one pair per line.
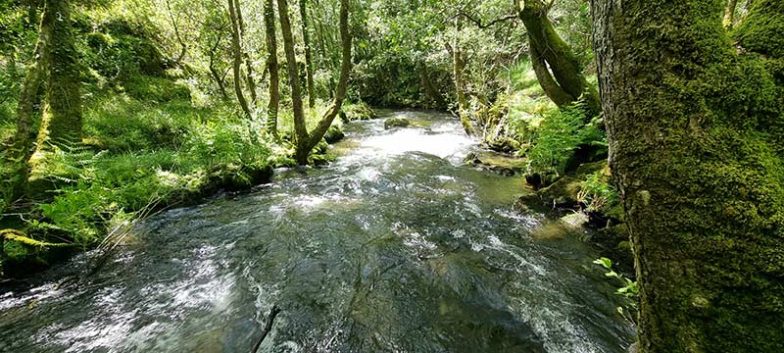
x,y
357,111
503,145
396,122
497,162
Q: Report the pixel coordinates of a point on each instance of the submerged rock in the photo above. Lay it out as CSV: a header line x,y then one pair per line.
x,y
565,199
396,122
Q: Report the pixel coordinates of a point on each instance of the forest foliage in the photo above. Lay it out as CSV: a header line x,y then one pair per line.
x,y
177,97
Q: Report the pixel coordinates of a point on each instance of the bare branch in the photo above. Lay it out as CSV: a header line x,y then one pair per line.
x,y
481,25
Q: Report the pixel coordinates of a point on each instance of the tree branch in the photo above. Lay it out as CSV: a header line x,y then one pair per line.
x,y
267,328
481,25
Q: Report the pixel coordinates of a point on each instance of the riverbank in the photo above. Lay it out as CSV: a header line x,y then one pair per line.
x,y
147,148
582,198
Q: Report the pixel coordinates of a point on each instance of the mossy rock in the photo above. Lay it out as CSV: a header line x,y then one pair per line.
x,y
334,134
564,191
396,122
236,178
503,145
497,162
357,111
22,255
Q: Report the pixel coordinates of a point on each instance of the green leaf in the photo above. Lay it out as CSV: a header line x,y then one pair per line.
x,y
604,262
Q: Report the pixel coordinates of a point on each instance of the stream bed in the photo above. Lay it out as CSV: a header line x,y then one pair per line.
x,y
396,247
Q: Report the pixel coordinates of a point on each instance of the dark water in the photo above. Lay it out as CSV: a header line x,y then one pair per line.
x,y
397,247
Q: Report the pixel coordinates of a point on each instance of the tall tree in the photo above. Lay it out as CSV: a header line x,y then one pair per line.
x,y
696,131
729,13
272,66
24,137
61,122
249,79
555,64
458,74
303,10
236,46
305,140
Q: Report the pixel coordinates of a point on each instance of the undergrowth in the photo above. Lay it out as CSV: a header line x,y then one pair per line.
x,y
138,153
560,134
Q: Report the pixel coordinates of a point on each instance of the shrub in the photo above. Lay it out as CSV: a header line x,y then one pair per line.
x,y
561,132
597,193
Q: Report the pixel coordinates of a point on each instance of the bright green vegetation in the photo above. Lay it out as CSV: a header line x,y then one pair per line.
x,y
111,110
172,108
697,153
150,140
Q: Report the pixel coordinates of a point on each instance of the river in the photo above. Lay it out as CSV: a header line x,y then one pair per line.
x,y
396,247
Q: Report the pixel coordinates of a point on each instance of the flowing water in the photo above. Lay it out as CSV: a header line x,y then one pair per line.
x,y
396,247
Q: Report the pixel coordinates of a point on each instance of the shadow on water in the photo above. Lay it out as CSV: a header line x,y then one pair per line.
x,y
396,247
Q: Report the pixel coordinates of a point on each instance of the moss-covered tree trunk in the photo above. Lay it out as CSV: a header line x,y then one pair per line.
x,y
236,48
305,141
729,13
303,10
696,135
557,68
250,80
24,137
458,74
272,66
62,112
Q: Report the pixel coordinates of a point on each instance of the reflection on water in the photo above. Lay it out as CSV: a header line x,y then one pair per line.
x,y
397,247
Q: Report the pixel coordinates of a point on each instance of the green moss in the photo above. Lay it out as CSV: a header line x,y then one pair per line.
x,y
697,148
761,31
117,52
358,111
14,251
18,237
334,134
502,163
396,122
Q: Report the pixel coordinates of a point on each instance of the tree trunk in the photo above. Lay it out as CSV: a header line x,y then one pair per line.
x,y
62,113
300,130
458,71
729,13
303,9
214,71
11,70
556,67
272,67
180,41
249,79
696,132
237,59
306,141
22,148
